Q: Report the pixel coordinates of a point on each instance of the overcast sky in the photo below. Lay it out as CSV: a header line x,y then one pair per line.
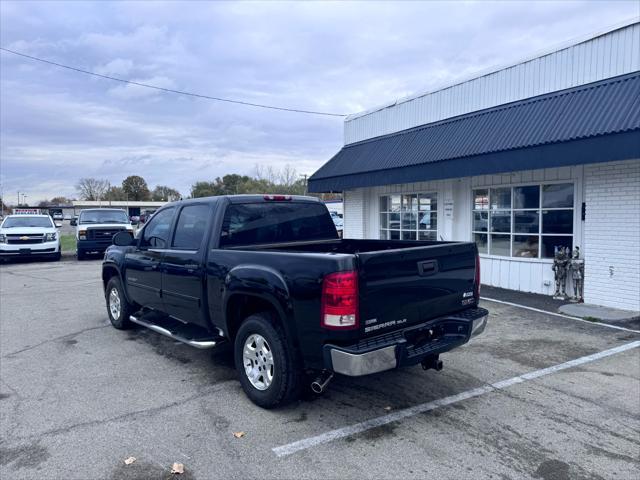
x,y
58,126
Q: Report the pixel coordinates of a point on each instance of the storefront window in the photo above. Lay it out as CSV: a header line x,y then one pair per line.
x,y
528,221
409,217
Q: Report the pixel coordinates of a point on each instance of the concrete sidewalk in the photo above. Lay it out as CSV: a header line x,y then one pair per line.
x,y
606,314
594,313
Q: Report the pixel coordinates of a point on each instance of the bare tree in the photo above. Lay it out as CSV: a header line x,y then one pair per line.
x,y
92,188
288,176
266,173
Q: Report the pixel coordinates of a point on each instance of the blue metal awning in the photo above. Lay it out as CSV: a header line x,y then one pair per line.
x,y
598,122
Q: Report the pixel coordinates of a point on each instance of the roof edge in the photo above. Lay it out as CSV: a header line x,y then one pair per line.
x,y
503,106
597,149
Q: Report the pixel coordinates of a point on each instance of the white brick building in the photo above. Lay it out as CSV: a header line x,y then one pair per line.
x,y
521,160
612,234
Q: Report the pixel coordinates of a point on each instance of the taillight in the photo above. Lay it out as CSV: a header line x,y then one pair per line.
x,y
476,282
339,307
277,198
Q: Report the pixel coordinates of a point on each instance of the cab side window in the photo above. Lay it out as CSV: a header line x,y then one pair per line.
x,y
191,226
156,233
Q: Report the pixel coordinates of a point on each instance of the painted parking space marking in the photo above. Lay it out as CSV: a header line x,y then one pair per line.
x,y
347,431
607,325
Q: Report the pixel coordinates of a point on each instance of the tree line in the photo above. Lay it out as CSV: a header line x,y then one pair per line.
x,y
284,181
133,188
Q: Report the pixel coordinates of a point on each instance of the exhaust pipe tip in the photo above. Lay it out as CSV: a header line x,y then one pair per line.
x,y
316,387
319,385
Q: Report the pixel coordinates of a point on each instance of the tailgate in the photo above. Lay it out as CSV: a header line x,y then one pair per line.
x,y
411,285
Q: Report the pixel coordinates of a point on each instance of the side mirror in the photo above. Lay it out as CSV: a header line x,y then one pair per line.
x,y
123,239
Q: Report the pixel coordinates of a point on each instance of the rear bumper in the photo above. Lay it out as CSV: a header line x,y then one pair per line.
x,y
406,347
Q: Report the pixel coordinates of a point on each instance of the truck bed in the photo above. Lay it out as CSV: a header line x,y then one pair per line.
x,y
351,246
401,283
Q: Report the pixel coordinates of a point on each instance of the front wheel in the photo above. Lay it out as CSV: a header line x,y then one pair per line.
x,y
269,369
118,308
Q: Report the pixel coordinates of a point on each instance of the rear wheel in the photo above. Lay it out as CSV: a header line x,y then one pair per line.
x,y
118,308
269,369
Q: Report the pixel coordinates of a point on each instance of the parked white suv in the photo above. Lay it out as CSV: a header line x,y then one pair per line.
x,y
96,228
29,236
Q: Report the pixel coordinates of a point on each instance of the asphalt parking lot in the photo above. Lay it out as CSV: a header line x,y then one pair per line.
x,y
77,397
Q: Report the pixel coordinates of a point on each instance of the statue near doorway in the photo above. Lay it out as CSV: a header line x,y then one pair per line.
x,y
576,264
560,268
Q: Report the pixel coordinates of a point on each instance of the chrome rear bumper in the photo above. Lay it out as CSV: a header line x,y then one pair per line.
x,y
406,347
356,365
479,325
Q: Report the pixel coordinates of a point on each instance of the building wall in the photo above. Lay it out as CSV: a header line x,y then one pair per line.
x,y
612,234
354,214
609,237
529,275
602,56
455,220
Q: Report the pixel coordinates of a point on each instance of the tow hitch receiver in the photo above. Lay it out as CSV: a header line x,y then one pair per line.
x,y
432,361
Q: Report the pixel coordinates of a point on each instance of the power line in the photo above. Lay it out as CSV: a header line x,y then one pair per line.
x,y
170,90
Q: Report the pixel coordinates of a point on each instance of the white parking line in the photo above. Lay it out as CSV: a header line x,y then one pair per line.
x,y
326,437
608,325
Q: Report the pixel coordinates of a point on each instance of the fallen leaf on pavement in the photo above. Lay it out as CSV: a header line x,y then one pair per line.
x,y
177,468
238,434
130,460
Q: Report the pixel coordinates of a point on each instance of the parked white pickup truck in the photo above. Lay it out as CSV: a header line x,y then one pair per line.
x,y
29,236
96,228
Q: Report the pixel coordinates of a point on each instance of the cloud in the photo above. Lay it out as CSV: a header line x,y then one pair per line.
x,y
119,67
58,126
130,91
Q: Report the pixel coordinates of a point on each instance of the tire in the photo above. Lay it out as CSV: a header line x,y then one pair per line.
x,y
123,309
285,366
56,256
81,255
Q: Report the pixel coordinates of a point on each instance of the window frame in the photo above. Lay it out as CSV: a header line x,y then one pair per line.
x,y
176,221
222,245
433,194
140,246
539,210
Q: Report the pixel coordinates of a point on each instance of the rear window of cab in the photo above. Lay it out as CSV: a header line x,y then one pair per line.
x,y
264,223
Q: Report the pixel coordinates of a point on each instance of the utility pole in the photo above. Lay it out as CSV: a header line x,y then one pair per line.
x,y
304,176
18,198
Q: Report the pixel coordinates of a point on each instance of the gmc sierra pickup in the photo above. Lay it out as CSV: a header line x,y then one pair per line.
x,y
270,275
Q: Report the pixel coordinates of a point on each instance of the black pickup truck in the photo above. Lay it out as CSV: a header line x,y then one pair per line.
x,y
270,275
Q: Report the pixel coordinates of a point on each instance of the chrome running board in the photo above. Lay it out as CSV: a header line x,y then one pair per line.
x,y
203,343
